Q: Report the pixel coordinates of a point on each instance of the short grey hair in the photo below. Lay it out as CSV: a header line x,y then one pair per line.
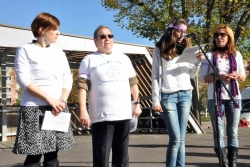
x,y
99,28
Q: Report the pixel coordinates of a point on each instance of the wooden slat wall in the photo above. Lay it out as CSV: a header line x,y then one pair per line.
x,y
143,70
12,121
141,65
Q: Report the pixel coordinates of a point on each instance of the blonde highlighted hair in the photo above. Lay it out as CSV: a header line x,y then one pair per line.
x,y
230,43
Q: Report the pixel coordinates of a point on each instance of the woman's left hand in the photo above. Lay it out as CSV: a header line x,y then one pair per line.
x,y
57,106
200,56
235,75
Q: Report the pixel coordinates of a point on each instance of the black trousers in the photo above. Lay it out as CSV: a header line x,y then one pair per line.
x,y
107,135
48,157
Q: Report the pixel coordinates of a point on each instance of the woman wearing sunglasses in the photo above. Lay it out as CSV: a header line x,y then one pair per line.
x,y
229,64
109,78
171,87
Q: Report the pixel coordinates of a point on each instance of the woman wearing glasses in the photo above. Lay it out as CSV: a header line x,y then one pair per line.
x,y
229,64
171,87
109,79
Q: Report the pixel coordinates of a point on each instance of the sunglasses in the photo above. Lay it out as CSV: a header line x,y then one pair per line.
x,y
110,36
216,35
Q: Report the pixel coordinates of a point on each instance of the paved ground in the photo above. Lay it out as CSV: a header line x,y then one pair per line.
x,y
145,150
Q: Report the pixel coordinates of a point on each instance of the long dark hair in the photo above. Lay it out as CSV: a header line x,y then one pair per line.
x,y
168,44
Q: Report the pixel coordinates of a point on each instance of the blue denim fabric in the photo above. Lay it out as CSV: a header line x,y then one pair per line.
x,y
232,121
176,108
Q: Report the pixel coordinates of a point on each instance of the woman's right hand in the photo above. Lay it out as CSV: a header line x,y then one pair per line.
x,y
226,77
157,108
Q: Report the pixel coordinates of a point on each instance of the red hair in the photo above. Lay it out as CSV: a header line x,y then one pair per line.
x,y
44,21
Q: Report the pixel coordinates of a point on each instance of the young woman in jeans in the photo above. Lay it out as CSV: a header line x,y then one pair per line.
x,y
171,87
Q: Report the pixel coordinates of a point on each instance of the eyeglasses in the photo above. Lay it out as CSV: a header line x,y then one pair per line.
x,y
216,35
180,31
103,36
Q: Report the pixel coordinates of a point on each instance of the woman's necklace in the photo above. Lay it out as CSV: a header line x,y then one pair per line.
x,y
38,44
223,55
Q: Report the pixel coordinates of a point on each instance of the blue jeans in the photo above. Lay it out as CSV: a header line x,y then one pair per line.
x,y
107,135
176,108
232,118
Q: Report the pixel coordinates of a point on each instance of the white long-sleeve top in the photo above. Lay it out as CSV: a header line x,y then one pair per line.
x,y
47,68
174,77
223,67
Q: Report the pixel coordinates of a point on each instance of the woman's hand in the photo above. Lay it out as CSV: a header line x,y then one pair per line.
x,y
226,77
235,75
200,56
157,108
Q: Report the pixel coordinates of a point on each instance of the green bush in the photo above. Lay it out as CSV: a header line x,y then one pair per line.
x,y
205,119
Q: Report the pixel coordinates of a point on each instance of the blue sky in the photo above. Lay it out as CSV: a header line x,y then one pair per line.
x,y
77,17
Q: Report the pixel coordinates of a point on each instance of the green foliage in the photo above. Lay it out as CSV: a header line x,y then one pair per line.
x,y
203,95
205,119
73,96
149,18
18,101
245,83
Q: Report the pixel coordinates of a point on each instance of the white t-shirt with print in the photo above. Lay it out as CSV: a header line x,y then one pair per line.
x,y
109,93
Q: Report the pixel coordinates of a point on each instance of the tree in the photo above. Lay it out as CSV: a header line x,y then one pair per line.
x,y
149,18
73,96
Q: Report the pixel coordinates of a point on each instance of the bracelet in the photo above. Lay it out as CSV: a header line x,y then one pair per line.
x,y
63,101
198,63
137,102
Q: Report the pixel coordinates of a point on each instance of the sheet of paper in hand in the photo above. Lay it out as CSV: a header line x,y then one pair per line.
x,y
133,121
189,54
57,123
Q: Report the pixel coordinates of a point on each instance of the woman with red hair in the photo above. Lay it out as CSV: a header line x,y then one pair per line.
x,y
229,64
44,75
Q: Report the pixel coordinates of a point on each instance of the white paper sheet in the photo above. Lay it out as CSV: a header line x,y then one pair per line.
x,y
189,54
57,123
